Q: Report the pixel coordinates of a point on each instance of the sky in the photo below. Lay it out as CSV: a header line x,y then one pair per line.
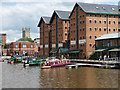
x,y
18,14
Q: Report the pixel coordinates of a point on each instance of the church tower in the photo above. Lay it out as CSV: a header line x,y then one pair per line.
x,y
26,32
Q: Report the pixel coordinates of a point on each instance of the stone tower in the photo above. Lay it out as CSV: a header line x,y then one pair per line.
x,y
26,32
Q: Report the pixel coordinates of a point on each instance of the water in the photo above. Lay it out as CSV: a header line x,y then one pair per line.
x,y
16,76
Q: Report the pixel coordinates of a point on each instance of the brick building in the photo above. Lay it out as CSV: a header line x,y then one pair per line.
x,y
3,39
88,22
44,25
21,47
59,28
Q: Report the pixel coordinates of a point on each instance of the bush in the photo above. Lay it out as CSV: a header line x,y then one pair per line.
x,y
25,39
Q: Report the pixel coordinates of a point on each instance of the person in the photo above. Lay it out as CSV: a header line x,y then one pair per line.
x,y
100,58
105,57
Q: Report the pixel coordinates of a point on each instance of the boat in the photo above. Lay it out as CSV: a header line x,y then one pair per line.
x,y
33,62
55,63
15,59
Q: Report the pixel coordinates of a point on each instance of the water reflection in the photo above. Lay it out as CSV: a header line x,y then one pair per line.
x,y
16,76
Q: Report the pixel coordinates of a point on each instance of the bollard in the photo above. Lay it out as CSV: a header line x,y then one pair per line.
x,y
106,66
76,66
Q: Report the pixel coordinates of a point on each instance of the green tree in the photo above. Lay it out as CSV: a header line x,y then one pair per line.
x,y
25,39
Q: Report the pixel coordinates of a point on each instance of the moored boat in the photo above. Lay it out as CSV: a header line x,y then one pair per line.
x,y
55,63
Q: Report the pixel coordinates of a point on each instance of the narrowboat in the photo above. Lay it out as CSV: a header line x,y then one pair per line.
x,y
55,63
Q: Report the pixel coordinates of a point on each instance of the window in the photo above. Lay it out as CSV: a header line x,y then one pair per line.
x,y
90,29
119,29
16,45
114,29
95,21
104,29
95,37
90,21
24,45
90,45
31,45
99,29
80,22
109,29
104,22
31,52
113,22
65,34
118,22
95,29
109,16
100,21
90,15
109,22
100,16
113,16
36,46
90,37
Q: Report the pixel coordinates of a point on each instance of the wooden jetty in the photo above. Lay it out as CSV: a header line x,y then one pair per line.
x,y
92,65
113,64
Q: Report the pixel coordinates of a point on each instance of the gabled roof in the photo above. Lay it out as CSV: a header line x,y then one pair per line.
x,y
45,19
98,8
63,15
109,36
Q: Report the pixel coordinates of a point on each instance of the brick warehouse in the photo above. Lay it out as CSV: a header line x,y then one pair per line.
x,y
88,22
22,46
59,28
79,29
53,32
44,36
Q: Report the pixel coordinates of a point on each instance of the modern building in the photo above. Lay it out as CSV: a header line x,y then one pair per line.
x,y
26,32
37,40
109,45
22,47
88,22
44,25
59,28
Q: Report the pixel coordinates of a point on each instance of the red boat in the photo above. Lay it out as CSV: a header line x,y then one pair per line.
x,y
55,63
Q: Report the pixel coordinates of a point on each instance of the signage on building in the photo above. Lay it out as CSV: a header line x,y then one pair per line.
x,y
46,46
83,41
73,42
60,44
41,46
53,45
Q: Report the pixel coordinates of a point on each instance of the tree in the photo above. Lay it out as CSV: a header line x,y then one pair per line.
x,y
25,39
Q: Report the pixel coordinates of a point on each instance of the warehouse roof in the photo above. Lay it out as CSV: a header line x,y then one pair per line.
x,y
109,36
63,15
45,19
98,8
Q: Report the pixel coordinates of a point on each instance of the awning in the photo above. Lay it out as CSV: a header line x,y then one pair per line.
x,y
63,50
115,50
99,50
75,51
54,52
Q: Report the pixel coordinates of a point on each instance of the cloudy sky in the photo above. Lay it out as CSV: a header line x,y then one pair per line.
x,y
16,14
